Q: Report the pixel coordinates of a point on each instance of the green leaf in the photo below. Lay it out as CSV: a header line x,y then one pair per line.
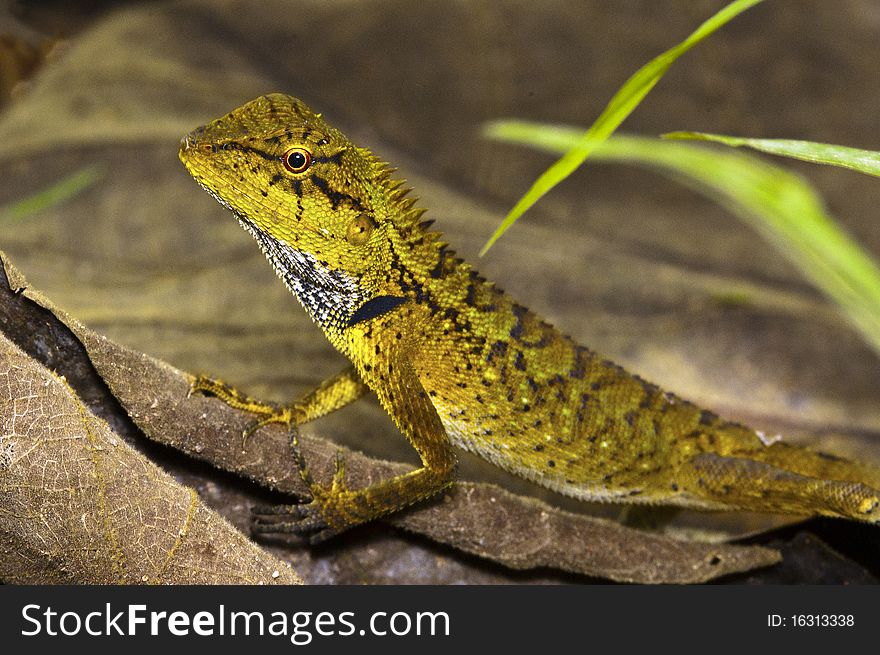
x,y
777,203
621,105
863,161
51,196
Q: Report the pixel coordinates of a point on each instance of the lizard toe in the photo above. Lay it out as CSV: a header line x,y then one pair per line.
x,y
304,518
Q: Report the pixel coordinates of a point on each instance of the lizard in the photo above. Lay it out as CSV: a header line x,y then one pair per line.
x,y
457,362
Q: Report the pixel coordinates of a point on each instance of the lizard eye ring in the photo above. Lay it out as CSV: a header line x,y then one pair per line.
x,y
296,160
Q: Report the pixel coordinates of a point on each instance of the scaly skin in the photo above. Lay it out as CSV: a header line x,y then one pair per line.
x,y
455,361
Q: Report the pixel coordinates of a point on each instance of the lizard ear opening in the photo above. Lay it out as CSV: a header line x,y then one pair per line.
x,y
360,229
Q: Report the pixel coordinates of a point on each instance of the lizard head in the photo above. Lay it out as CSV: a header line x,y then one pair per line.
x,y
325,212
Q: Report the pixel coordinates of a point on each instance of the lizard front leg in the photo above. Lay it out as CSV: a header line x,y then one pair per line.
x,y
335,508
334,393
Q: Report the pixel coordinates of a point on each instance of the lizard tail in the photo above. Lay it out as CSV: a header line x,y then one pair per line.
x,y
784,478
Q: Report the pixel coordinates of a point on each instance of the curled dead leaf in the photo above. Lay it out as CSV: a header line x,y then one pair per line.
x,y
78,505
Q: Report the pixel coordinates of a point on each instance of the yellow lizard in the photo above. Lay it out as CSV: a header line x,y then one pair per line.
x,y
457,362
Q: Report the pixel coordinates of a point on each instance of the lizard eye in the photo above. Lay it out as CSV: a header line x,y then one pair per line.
x,y
296,160
360,229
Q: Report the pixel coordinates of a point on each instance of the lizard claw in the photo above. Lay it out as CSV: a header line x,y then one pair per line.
x,y
265,412
203,385
283,415
338,485
306,519
313,516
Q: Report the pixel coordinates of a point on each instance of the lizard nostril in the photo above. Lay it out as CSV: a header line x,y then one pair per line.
x,y
191,141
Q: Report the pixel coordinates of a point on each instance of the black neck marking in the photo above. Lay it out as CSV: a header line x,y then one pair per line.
x,y
375,307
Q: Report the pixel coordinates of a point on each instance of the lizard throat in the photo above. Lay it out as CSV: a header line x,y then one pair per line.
x,y
330,297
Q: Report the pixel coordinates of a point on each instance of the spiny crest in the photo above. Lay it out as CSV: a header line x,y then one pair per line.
x,y
406,215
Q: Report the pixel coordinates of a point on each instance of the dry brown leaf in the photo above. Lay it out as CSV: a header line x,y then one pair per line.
x,y
78,505
480,519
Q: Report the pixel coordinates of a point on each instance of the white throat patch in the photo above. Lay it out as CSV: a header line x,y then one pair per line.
x,y
330,297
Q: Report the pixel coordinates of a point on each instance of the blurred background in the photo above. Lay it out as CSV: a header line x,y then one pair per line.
x,y
637,267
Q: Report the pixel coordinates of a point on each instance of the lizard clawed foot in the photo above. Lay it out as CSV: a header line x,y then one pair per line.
x,y
266,412
306,519
319,517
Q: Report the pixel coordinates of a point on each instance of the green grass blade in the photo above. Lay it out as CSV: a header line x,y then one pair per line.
x,y
621,105
57,193
863,161
780,205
